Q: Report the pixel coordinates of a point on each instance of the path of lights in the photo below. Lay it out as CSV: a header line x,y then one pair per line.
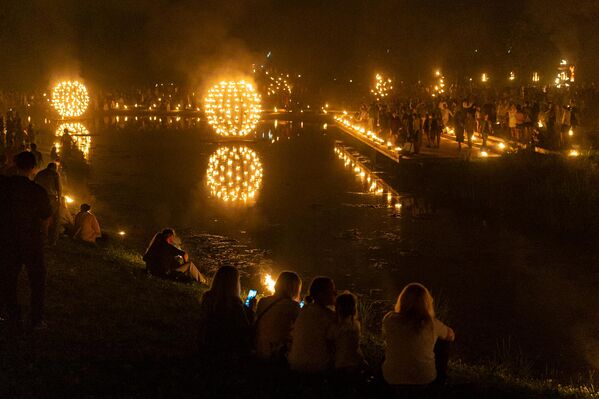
x,y
439,86
367,135
234,174
382,87
78,133
70,98
375,184
233,108
278,85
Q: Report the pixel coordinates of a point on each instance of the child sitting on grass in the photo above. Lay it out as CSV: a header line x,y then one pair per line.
x,y
346,335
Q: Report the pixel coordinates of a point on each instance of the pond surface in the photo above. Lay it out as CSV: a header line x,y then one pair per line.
x,y
312,206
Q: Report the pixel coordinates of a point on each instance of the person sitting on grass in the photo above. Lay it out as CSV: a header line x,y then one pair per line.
x,y
86,228
275,317
311,348
224,322
415,362
346,336
163,259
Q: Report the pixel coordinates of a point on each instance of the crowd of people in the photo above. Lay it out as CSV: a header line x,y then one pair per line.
x,y
33,213
528,116
321,335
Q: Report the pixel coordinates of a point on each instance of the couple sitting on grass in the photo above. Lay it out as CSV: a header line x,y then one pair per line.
x,y
323,337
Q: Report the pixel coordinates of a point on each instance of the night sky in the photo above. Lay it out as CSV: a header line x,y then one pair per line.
x,y
120,42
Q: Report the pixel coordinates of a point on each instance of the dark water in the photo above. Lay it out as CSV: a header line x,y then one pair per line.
x,y
506,294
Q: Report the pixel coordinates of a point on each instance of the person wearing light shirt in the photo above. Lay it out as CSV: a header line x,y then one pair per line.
x,y
87,227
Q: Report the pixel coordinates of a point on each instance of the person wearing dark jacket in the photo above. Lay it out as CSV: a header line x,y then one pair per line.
x,y
23,224
163,259
49,179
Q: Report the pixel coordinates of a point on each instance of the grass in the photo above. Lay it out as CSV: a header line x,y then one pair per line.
x,y
115,331
532,191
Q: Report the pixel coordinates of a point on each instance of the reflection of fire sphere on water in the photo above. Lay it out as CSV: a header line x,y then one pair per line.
x,y
79,134
233,108
70,98
234,174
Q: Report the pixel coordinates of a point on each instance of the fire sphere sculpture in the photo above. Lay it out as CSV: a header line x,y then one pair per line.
x,y
70,98
232,108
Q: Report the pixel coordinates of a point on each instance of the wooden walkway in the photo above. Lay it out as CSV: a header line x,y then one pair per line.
x,y
448,148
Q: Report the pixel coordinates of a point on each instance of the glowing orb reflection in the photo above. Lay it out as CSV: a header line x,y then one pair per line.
x,y
234,174
233,108
80,136
70,98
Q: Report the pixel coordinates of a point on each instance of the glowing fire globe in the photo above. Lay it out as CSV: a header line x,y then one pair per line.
x,y
232,108
234,174
70,98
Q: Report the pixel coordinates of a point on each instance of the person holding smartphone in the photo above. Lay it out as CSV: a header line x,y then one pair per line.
x,y
275,317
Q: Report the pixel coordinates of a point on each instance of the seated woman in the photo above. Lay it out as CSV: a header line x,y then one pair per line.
x,y
163,259
349,359
311,346
86,227
275,317
224,330
411,332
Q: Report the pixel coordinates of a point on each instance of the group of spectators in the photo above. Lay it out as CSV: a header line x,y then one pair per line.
x,y
321,335
528,116
33,213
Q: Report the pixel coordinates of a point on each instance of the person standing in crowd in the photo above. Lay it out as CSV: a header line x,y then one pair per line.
x,y
460,120
39,159
54,153
486,128
224,322
163,259
86,227
25,211
427,129
311,346
395,128
436,129
512,122
275,317
413,360
49,179
31,133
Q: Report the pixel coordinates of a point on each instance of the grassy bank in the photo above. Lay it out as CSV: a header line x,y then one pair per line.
x,y
114,331
532,191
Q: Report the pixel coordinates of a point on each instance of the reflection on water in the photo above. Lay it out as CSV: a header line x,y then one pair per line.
x,y
80,136
234,174
374,184
151,122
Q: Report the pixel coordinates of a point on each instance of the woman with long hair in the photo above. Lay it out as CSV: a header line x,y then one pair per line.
x,y
275,317
224,324
411,331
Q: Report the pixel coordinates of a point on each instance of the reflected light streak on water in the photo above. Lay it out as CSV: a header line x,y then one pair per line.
x,y
374,184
